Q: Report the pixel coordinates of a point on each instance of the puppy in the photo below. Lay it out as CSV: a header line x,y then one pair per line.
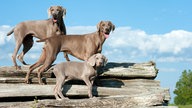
x,y
86,71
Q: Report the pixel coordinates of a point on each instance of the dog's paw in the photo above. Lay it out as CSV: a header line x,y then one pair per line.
x,y
28,81
59,99
18,67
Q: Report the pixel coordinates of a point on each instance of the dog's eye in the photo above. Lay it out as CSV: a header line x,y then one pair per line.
x,y
103,24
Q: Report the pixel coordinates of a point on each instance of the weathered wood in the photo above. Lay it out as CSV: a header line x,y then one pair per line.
x,y
129,85
22,90
113,82
130,70
148,100
106,102
119,70
10,71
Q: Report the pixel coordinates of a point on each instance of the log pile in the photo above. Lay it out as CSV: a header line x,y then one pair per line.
x,y
118,85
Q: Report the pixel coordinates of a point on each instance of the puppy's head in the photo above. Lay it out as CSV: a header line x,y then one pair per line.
x,y
56,12
97,60
105,27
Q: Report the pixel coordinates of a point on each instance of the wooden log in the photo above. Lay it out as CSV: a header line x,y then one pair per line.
x,y
113,82
26,90
115,70
119,101
130,70
10,71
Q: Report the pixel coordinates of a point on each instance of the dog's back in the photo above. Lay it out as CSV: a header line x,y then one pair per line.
x,y
71,70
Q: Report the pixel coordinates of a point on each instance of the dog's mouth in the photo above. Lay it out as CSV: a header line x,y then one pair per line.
x,y
54,20
106,35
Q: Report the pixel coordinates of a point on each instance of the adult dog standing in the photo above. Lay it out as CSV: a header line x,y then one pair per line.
x,y
25,31
79,46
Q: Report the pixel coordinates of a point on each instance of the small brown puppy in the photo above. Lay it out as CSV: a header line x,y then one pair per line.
x,y
86,71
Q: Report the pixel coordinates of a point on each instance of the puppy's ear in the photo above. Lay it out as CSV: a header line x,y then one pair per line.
x,y
49,12
98,25
105,60
112,26
92,60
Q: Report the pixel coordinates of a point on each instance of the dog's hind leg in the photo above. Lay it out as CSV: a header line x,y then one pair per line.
x,y
49,60
66,56
27,44
56,91
40,61
60,84
18,45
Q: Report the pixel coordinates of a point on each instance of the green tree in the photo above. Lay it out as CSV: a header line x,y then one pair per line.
x,y
183,89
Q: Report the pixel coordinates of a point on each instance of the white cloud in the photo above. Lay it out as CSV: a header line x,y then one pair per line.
x,y
81,29
174,42
124,44
168,69
4,29
174,59
169,47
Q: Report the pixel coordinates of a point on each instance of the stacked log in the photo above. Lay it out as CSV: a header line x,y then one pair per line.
x,y
118,85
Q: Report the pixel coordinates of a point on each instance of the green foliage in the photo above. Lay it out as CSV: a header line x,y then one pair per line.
x,y
183,89
185,106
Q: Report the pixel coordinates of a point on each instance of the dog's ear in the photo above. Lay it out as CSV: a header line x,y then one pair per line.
x,y
49,12
112,26
98,25
92,60
64,12
105,60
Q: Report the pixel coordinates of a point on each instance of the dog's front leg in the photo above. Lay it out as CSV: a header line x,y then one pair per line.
x,y
89,85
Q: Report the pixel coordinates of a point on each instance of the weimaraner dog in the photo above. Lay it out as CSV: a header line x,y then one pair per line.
x,y
86,71
25,31
79,46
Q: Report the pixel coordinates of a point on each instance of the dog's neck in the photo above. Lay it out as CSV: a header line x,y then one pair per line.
x,y
60,24
101,37
94,67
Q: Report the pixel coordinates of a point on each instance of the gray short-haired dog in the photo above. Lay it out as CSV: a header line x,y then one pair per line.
x,y
86,71
25,31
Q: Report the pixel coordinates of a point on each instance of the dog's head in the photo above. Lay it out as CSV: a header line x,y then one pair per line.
x,y
97,60
56,12
105,27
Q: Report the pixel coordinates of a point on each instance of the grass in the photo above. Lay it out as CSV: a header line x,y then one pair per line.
x,y
185,106
181,106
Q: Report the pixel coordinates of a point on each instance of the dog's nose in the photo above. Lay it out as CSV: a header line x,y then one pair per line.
x,y
107,29
100,63
54,14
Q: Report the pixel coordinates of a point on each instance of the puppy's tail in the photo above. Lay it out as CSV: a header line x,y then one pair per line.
x,y
10,32
51,68
42,40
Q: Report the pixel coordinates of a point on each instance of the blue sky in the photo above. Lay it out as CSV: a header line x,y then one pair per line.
x,y
158,30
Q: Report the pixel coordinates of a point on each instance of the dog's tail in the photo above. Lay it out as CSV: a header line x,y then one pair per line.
x,y
10,32
50,69
42,40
